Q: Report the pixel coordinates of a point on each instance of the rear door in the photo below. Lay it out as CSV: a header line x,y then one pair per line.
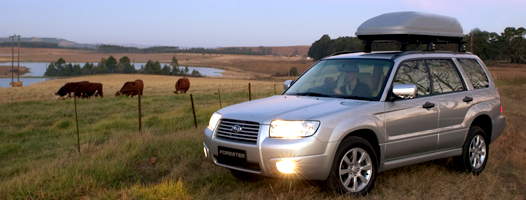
x,y
411,124
453,101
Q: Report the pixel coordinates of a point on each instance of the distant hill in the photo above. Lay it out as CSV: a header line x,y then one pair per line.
x,y
46,42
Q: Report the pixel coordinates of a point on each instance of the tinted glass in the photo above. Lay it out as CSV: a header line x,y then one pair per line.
x,y
414,72
474,72
445,76
349,78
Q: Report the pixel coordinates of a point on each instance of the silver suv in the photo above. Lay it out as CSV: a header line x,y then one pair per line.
x,y
352,116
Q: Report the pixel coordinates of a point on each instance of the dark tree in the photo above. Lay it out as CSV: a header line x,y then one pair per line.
x,y
320,48
111,64
166,70
152,67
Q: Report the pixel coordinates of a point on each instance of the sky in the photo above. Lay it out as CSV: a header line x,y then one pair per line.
x,y
216,23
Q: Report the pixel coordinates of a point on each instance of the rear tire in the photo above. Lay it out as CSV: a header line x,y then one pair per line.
x,y
354,167
475,151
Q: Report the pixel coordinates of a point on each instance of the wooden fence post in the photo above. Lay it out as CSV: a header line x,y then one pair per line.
x,y
249,92
77,122
219,97
193,110
139,108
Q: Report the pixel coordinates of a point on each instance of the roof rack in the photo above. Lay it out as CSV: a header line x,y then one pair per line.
x,y
344,52
403,53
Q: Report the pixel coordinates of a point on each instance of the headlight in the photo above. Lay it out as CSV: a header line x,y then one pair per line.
x,y
213,121
292,129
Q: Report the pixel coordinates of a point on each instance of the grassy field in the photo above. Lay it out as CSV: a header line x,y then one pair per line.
x,y
245,66
38,158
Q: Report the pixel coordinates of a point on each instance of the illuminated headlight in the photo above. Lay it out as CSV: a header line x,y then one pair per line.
x,y
292,129
213,121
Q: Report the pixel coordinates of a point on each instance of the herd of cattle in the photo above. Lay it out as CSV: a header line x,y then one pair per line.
x,y
85,89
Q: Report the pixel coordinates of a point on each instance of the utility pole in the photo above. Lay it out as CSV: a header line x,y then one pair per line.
x,y
18,58
12,38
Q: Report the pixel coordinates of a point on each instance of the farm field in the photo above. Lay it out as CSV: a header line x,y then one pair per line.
x,y
39,158
255,65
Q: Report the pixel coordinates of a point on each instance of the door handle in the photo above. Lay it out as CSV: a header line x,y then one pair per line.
x,y
467,99
428,105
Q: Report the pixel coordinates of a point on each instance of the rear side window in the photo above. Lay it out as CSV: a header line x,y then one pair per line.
x,y
474,72
444,76
414,72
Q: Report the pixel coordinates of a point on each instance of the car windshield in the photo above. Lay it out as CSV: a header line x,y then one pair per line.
x,y
350,78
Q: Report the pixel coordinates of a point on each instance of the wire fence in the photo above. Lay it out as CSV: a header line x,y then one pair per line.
x,y
172,113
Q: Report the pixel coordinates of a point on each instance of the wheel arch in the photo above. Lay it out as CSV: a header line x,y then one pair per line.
x,y
370,136
484,121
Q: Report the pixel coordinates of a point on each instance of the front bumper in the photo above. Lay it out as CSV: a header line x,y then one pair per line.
x,y
313,157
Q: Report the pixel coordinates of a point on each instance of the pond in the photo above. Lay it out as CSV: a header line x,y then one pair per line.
x,y
39,68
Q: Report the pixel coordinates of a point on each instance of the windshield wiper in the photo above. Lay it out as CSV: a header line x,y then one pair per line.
x,y
356,97
314,94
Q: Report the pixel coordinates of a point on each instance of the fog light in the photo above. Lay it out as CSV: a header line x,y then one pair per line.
x,y
286,166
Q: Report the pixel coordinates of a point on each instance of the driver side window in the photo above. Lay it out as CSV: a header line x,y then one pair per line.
x,y
414,72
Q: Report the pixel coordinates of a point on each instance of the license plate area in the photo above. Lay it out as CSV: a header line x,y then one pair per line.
x,y
231,156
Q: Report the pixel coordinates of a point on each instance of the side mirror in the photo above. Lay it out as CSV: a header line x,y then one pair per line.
x,y
405,91
287,84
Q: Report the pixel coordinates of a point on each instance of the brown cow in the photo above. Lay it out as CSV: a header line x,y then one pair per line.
x,y
93,89
182,85
70,88
83,89
131,88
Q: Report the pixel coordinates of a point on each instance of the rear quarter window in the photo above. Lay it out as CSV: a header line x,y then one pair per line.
x,y
474,72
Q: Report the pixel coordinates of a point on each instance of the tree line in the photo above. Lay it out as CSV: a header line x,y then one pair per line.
x,y
510,45
112,65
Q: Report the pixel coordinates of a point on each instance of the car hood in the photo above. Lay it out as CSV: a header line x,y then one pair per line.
x,y
288,107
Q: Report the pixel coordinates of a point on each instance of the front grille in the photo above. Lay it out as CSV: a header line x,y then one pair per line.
x,y
246,131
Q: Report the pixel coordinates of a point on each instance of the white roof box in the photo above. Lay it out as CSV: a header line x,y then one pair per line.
x,y
410,23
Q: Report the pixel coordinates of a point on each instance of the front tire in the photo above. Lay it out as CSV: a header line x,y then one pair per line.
x,y
475,151
354,168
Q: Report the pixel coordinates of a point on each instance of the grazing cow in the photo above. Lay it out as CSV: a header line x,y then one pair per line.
x,y
83,89
131,88
93,89
182,85
70,88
